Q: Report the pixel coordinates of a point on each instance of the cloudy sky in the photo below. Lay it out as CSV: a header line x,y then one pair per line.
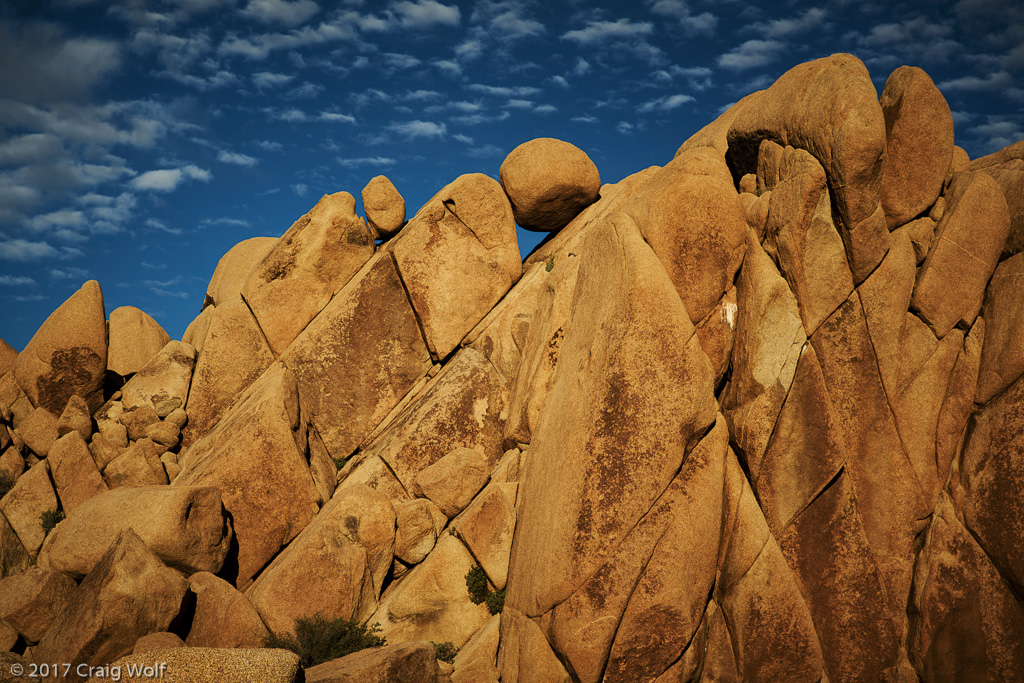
x,y
141,139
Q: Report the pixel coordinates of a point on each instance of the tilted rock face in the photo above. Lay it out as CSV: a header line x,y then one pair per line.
x,y
548,182
134,338
233,270
310,263
223,616
68,353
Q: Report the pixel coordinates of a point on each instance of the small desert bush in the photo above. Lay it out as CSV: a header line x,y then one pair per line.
x,y
445,651
318,639
476,584
50,519
495,601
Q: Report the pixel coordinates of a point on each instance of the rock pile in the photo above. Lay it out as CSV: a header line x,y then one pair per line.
x,y
753,415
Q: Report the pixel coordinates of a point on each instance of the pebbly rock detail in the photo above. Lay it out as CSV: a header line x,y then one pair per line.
x,y
751,415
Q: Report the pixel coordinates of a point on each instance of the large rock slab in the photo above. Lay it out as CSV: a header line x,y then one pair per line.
x,y
548,183
968,241
233,270
13,556
128,594
223,617
7,357
691,215
631,394
1010,177
453,481
166,377
335,567
311,262
208,665
359,357
414,661
67,354
1002,356
465,406
256,458
134,338
918,144
25,503
458,256
487,526
74,472
30,601
234,355
185,527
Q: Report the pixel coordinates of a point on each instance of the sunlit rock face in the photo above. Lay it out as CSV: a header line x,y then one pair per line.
x,y
753,414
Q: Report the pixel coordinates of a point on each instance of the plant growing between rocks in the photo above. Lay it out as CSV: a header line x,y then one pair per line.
x,y
318,639
445,651
50,519
476,583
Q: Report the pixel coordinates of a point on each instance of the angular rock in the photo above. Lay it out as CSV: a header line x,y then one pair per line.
x,y
475,662
458,256
25,503
185,527
431,602
717,334
134,338
76,418
165,434
210,665
413,661
74,472
128,594
419,524
166,377
335,567
1002,356
548,183
918,144
525,654
921,233
690,214
256,458
465,405
103,452
232,272
234,355
958,403
486,527
951,283
39,431
178,418
30,601
7,357
68,353
13,556
224,617
374,473
613,397
1010,177
139,465
384,206
139,420
359,357
12,464
196,332
453,481
311,262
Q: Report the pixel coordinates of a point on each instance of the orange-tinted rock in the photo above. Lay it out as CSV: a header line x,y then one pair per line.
x,y
453,481
414,661
1010,177
359,357
486,528
384,206
157,642
39,431
74,472
75,418
7,357
134,338
232,272
68,353
717,333
690,214
419,524
1002,357
548,182
166,377
13,556
30,601
207,665
25,503
919,144
138,465
223,616
311,262
195,334
951,282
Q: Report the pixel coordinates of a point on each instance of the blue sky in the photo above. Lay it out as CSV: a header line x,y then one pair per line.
x,y
141,139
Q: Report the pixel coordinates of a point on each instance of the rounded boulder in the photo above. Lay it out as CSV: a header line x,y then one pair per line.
x,y
548,182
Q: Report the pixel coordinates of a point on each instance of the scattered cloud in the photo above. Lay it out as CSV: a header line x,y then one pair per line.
x,y
300,189
237,159
624,127
581,67
281,12
597,32
235,222
786,28
992,82
270,145
586,118
485,151
366,161
260,46
418,129
167,180
26,250
506,19
752,54
16,281
559,81
692,24
156,224
69,273
266,79
425,14
400,61
503,91
665,103
334,117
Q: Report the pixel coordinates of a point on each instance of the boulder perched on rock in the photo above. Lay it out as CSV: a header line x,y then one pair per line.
x,y
549,182
68,353
385,208
134,338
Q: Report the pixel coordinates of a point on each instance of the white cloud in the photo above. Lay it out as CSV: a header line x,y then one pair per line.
x,y
485,151
161,226
418,129
691,23
545,109
332,117
266,79
469,50
237,159
506,19
451,67
665,103
69,273
500,91
586,118
425,13
270,145
281,12
64,218
784,28
601,31
400,61
752,54
366,161
463,138
30,149
559,81
519,104
236,222
25,250
624,127
260,46
581,67
16,280
300,189
166,180
993,82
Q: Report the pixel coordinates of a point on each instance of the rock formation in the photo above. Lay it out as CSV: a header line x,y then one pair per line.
x,y
752,415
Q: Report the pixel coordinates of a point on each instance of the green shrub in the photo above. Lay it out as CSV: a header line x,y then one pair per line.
x,y
445,651
50,519
6,481
339,462
318,639
476,582
550,264
496,601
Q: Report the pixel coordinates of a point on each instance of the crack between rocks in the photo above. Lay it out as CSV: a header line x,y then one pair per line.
x,y
408,297
775,424
263,335
828,484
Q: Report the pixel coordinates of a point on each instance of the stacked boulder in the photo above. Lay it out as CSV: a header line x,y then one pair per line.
x,y
752,415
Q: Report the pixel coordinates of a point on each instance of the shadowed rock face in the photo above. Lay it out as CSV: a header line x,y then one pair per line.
x,y
757,414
